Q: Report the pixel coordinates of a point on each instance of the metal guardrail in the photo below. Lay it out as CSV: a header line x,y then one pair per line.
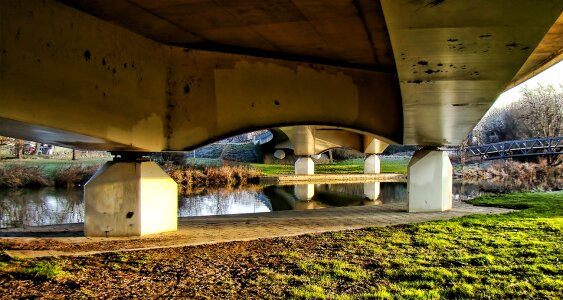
x,y
531,147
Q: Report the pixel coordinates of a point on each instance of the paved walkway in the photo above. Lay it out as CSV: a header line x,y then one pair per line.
x,y
69,240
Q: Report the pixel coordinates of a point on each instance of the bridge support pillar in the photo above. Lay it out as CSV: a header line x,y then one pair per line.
x,y
130,199
429,181
372,164
304,166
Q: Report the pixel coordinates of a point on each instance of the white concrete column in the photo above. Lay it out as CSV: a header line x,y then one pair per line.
x,y
372,164
372,190
130,199
429,181
304,166
304,192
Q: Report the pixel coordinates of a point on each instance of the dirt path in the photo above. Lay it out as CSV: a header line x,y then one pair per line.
x,y
69,240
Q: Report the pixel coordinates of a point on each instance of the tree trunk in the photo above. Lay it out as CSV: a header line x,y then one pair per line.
x,y
19,149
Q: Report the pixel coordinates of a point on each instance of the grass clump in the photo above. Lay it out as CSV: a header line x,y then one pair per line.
x,y
42,270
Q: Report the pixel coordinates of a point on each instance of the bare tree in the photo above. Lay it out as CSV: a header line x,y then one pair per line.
x,y
541,111
499,124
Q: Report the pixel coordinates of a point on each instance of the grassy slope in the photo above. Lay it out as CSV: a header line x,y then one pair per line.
x,y
515,255
50,165
343,167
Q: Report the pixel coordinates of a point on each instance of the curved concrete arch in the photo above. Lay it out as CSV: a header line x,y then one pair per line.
x,y
313,140
235,94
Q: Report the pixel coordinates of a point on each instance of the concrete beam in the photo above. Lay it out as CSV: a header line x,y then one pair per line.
x,y
76,74
303,140
373,145
63,71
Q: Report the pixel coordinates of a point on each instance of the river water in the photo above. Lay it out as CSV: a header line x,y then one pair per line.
x,y
48,206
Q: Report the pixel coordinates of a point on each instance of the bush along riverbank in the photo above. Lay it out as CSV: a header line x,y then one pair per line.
x,y
512,176
191,179
22,176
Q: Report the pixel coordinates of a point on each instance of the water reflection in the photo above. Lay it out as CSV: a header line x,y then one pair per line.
x,y
24,207
36,207
372,190
304,192
223,202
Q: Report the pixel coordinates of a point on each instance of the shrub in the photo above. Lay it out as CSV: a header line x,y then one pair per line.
x,y
17,176
190,178
73,175
517,176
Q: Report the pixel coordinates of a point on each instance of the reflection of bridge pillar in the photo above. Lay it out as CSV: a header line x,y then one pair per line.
x,y
304,166
429,181
304,192
372,190
372,164
130,199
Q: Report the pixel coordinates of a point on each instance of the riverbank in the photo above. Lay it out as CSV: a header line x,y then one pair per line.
x,y
200,175
330,178
389,164
510,255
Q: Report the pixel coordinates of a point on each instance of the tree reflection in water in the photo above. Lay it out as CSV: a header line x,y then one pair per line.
x,y
222,202
37,207
47,206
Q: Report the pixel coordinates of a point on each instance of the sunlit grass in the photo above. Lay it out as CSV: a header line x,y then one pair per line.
x,y
351,166
514,255
41,270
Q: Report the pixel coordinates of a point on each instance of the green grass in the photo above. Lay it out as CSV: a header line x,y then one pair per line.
x,y
42,270
51,165
514,255
388,165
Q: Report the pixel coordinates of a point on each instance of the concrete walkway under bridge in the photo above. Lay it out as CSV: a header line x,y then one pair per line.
x,y
69,239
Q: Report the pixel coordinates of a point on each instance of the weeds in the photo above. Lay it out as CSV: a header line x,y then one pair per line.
x,y
73,175
42,270
517,176
16,176
191,178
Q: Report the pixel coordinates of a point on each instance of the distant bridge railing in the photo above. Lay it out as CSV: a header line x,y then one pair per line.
x,y
531,147
263,137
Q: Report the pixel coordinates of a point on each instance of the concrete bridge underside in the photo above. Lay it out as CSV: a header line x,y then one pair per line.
x,y
306,141
408,72
145,76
